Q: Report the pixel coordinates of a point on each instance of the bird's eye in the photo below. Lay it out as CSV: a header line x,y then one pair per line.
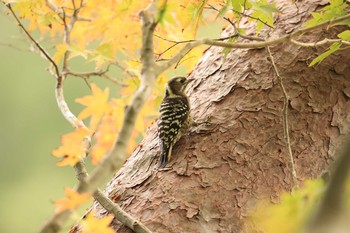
x,y
182,80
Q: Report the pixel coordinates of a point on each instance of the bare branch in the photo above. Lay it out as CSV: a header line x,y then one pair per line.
x,y
113,80
109,205
120,214
41,49
62,104
177,57
124,69
318,43
241,35
242,14
86,75
285,122
12,46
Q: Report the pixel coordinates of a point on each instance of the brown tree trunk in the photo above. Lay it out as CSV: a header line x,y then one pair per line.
x,y
220,170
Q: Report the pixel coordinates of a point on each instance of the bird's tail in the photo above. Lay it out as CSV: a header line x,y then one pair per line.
x,y
165,155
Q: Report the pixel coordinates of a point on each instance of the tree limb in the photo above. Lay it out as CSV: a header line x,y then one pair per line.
x,y
250,45
109,205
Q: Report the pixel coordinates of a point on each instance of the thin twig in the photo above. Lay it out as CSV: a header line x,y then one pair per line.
x,y
12,46
242,14
124,69
172,46
175,43
318,43
285,120
242,35
41,49
113,80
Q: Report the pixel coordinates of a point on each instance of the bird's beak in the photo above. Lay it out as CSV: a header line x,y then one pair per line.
x,y
189,80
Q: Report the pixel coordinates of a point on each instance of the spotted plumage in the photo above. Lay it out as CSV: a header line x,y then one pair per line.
x,y
174,119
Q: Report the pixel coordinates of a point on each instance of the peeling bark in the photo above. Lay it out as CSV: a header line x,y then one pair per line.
x,y
219,171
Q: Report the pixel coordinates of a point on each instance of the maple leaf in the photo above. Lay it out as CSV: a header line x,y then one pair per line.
x,y
107,131
96,105
72,200
72,148
91,224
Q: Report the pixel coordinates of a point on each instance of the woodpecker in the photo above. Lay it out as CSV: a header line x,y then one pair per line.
x,y
174,119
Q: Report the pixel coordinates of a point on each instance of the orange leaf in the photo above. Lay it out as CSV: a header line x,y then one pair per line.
x,y
72,148
96,105
61,49
72,201
91,224
107,131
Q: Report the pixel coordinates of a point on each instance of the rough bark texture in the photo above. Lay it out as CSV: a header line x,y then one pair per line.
x,y
220,170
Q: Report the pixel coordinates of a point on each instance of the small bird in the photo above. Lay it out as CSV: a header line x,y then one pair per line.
x,y
174,119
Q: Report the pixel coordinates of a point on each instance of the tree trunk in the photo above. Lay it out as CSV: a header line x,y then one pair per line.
x,y
220,170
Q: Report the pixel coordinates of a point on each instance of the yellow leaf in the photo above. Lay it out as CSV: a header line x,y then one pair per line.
x,y
96,105
72,148
91,224
72,200
107,132
60,51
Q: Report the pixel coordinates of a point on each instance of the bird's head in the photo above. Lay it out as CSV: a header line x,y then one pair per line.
x,y
176,86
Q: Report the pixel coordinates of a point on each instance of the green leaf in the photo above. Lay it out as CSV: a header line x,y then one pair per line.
x,y
196,10
263,11
335,9
345,35
223,10
236,5
226,51
163,12
293,211
333,48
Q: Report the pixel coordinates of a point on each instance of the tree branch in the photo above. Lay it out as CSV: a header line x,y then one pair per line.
x,y
109,205
250,45
318,43
285,123
41,49
120,214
